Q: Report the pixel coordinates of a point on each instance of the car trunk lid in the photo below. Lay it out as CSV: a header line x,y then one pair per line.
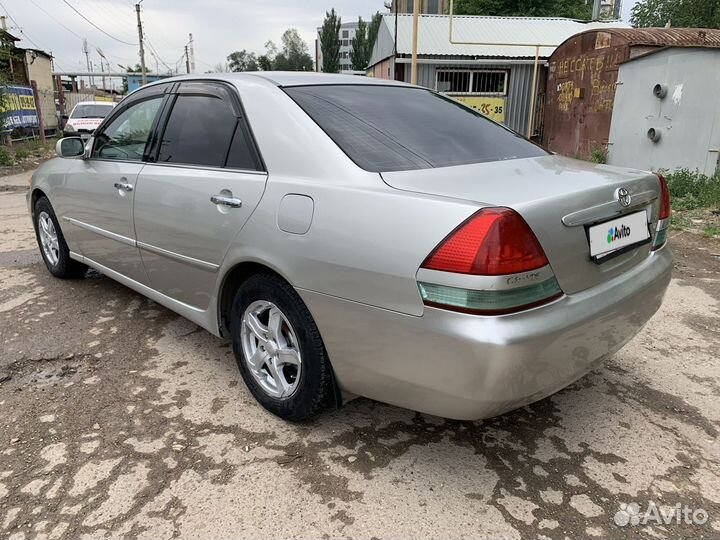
x,y
560,198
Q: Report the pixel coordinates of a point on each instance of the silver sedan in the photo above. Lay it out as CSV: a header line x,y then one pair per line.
x,y
359,237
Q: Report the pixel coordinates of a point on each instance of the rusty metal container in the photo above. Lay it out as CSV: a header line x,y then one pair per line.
x,y
582,77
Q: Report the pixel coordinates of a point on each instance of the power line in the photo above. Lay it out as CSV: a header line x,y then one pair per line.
x,y
155,53
113,18
95,25
24,34
19,28
73,32
54,59
55,19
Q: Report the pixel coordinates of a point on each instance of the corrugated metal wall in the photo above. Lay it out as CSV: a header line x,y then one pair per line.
x,y
518,96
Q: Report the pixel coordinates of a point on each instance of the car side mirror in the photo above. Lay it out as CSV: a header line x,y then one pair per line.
x,y
70,147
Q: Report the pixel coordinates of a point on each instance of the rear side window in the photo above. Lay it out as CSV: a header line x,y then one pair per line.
x,y
388,128
242,153
198,132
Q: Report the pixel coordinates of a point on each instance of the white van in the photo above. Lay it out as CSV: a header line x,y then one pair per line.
x,y
86,116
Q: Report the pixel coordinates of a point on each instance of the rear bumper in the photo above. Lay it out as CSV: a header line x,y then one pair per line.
x,y
469,367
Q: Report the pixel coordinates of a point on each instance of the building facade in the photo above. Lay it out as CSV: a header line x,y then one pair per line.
x,y
428,7
347,33
39,69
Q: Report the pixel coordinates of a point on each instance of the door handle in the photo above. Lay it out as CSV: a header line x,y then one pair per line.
x,y
232,202
123,186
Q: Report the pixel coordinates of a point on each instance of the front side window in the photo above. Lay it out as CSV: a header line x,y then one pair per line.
x,y
395,128
198,132
125,137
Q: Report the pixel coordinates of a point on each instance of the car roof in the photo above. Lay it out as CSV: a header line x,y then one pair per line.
x,y
302,78
285,78
95,103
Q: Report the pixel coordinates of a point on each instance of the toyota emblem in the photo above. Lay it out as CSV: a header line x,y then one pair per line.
x,y
623,197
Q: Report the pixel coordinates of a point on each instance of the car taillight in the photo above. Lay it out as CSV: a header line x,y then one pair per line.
x,y
504,265
663,215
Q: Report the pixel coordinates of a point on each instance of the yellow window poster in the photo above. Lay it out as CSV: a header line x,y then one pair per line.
x,y
492,107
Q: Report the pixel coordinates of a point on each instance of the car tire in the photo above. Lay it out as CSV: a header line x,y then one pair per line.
x,y
53,248
267,367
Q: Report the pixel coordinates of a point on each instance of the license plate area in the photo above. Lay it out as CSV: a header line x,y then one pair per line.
x,y
617,236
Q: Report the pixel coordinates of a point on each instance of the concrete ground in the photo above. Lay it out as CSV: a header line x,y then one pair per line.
x,y
120,419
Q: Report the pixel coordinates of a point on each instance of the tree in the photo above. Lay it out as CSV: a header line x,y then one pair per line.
x,y
294,55
574,9
330,42
372,33
242,61
679,13
266,61
359,54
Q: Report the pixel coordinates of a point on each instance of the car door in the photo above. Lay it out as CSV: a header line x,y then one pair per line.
x,y
192,200
100,190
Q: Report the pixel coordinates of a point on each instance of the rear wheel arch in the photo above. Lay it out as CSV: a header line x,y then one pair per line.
x,y
231,282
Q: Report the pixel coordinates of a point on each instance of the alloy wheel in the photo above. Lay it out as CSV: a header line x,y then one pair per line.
x,y
48,238
271,349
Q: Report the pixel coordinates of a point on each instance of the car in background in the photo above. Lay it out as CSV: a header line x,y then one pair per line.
x,y
360,237
86,116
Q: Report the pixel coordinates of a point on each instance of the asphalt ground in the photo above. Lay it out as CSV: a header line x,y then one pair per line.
x,y
119,418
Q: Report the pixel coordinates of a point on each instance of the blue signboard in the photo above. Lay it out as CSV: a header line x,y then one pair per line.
x,y
135,81
17,108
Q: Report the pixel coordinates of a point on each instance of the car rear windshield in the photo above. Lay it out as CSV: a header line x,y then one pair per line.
x,y
396,128
91,111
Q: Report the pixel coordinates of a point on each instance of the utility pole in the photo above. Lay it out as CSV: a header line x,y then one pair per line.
x,y
395,3
140,39
192,54
3,22
102,57
416,18
86,51
187,60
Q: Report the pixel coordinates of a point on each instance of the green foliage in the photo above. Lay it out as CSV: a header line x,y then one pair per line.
x,y
22,153
372,32
330,42
679,13
574,9
6,157
294,55
692,190
243,61
266,62
598,155
359,54
711,231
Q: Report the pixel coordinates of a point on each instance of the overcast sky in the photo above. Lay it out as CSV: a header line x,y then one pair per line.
x,y
218,27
